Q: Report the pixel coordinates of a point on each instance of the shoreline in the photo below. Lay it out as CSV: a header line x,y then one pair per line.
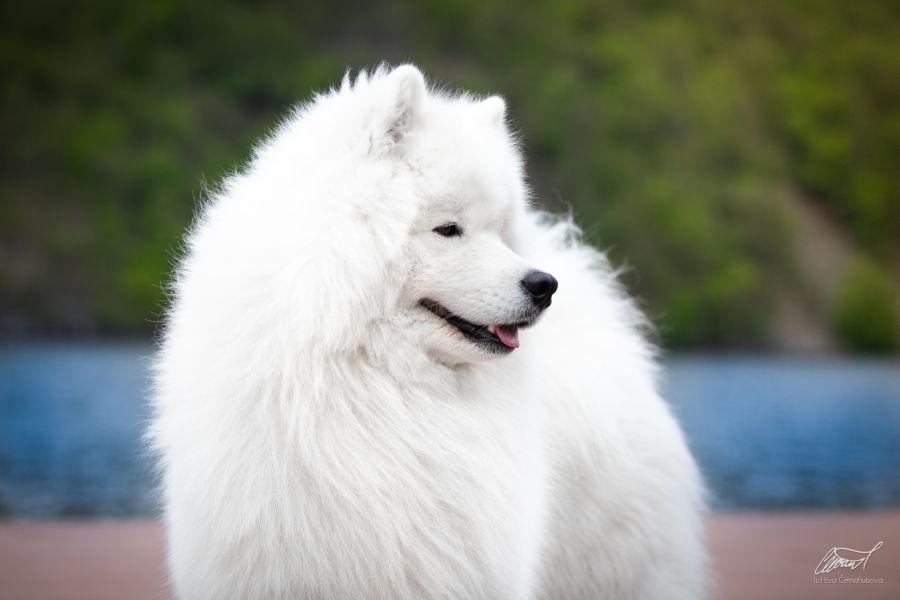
x,y
753,554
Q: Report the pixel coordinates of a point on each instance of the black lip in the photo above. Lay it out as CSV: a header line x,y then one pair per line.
x,y
477,334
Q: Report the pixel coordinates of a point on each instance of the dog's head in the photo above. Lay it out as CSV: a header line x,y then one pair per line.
x,y
468,291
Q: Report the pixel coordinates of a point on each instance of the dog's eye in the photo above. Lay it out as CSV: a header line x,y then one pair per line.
x,y
449,230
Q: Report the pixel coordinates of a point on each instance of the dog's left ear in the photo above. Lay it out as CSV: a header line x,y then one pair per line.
x,y
402,100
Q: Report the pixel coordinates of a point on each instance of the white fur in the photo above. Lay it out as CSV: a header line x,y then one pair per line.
x,y
323,436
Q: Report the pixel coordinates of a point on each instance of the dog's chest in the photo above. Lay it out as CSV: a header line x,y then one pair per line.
x,y
452,491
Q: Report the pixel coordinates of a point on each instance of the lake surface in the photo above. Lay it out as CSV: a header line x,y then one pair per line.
x,y
768,433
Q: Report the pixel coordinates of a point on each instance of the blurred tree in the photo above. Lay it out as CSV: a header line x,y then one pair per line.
x,y
866,316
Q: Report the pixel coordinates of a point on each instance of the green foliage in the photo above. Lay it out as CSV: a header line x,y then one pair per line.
x,y
669,128
866,317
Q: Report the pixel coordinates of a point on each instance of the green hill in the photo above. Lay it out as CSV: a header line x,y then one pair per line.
x,y
683,135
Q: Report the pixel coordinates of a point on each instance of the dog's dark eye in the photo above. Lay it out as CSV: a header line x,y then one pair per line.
x,y
448,230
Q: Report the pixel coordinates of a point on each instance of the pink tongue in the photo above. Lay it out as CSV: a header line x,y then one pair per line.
x,y
509,335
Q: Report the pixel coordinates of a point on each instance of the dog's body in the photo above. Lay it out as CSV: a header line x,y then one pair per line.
x,y
333,417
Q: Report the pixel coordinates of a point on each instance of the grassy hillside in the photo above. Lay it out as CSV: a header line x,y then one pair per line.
x,y
677,132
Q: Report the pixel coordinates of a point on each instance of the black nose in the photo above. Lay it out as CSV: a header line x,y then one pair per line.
x,y
540,286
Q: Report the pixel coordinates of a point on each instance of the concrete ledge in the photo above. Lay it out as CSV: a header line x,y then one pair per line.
x,y
763,555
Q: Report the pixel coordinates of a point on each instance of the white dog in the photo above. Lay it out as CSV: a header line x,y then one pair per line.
x,y
342,406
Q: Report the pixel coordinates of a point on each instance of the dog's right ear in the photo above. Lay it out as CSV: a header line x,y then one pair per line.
x,y
494,109
400,107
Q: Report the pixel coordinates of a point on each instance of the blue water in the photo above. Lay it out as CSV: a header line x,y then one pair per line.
x,y
71,421
768,433
792,433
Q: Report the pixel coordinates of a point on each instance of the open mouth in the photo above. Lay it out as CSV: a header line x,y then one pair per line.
x,y
492,338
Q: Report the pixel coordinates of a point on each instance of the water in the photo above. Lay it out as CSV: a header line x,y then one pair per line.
x,y
792,433
71,421
768,433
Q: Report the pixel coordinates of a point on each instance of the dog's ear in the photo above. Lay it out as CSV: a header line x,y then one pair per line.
x,y
494,109
401,106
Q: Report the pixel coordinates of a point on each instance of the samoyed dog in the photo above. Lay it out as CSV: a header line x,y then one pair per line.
x,y
369,385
